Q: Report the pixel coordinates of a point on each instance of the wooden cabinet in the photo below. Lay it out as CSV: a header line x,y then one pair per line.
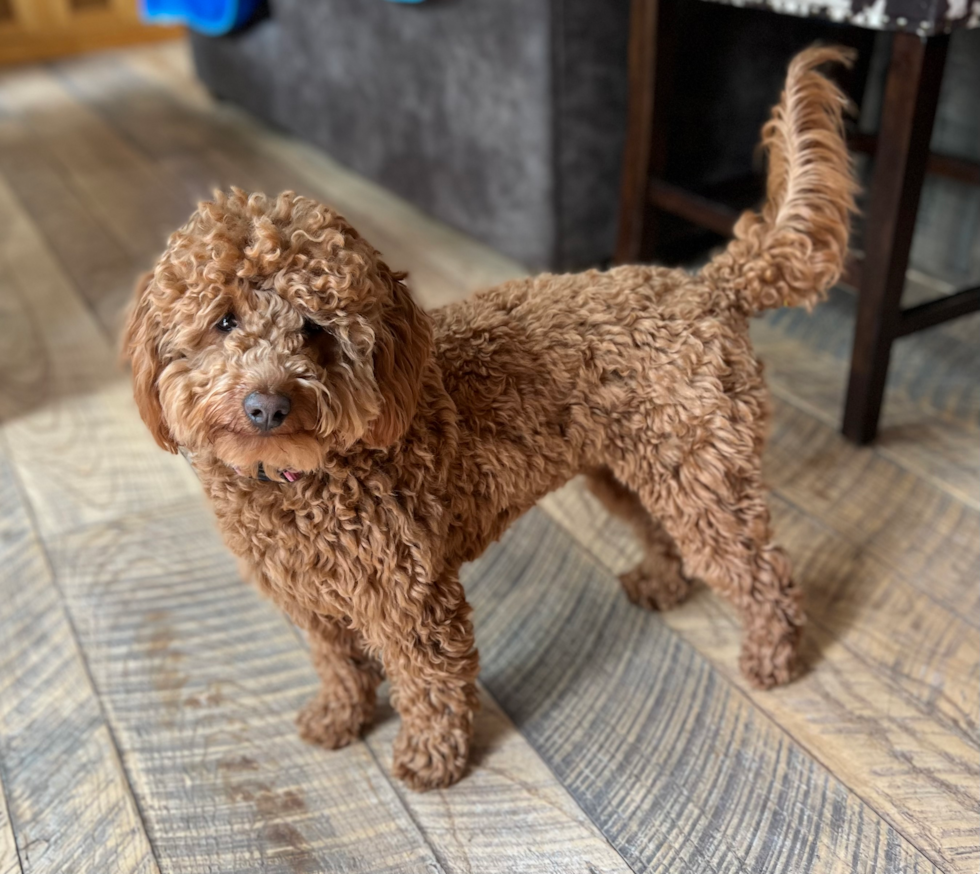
x,y
32,30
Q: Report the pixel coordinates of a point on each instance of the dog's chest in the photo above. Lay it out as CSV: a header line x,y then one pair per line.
x,y
312,546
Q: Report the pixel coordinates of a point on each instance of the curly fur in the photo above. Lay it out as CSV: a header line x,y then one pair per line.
x,y
420,437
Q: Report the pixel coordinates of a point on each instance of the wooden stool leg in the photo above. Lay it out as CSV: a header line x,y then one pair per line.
x,y
650,55
911,94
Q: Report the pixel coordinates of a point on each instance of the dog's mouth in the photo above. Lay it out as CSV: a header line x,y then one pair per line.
x,y
296,450
256,434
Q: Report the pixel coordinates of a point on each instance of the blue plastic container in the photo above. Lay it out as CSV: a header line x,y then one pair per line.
x,y
210,17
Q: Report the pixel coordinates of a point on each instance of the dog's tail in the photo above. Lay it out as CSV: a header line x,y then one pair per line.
x,y
792,252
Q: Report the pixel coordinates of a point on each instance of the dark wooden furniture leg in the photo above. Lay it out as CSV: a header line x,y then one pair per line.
x,y
644,155
911,94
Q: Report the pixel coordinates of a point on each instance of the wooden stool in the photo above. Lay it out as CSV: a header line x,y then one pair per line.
x,y
901,160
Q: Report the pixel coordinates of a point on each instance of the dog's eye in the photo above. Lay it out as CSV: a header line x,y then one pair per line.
x,y
227,324
311,328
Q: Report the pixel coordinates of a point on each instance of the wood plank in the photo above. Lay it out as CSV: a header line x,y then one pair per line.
x,y
9,860
472,825
65,405
201,679
892,671
907,522
101,270
137,203
21,48
196,145
677,767
934,434
69,802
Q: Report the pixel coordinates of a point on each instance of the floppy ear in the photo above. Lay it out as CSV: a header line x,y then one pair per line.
x,y
140,347
402,347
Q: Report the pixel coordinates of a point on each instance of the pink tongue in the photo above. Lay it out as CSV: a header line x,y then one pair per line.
x,y
290,475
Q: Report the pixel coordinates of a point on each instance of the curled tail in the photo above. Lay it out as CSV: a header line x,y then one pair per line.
x,y
792,252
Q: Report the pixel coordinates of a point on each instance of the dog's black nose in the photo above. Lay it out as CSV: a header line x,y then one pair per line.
x,y
266,411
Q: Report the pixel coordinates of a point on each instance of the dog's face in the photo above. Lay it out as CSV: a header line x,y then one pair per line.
x,y
271,332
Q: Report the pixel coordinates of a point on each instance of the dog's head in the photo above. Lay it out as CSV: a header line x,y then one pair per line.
x,y
271,332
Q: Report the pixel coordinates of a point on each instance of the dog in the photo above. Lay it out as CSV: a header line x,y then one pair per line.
x,y
357,450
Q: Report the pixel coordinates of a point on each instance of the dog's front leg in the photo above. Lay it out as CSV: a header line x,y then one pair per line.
x,y
432,663
349,676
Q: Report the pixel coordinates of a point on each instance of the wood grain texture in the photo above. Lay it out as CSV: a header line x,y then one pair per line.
x,y
98,266
892,671
132,199
905,520
644,739
66,409
678,768
930,422
509,814
68,799
201,679
194,146
9,860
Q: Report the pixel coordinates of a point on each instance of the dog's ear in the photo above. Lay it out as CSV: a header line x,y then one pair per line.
x,y
140,346
402,347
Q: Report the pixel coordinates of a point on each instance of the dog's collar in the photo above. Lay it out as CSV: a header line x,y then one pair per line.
x,y
290,476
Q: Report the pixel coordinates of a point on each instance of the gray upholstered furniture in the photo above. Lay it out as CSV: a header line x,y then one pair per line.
x,y
504,118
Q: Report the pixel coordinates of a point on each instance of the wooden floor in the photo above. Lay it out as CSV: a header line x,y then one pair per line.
x,y
147,694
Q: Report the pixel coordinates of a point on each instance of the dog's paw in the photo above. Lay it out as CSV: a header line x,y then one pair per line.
x,y
659,590
767,663
432,758
331,724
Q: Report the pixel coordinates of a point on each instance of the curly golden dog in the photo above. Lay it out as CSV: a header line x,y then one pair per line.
x,y
358,450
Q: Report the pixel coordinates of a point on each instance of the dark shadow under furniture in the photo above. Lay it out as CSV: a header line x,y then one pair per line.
x,y
901,160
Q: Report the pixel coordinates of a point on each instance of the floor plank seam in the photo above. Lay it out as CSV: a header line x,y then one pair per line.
x,y
66,82
10,816
443,863
814,755
883,557
917,704
883,452
71,182
187,503
109,152
559,781
83,657
938,863
386,776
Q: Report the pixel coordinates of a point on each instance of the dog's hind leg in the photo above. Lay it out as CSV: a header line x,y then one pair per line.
x,y
349,677
658,581
713,505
